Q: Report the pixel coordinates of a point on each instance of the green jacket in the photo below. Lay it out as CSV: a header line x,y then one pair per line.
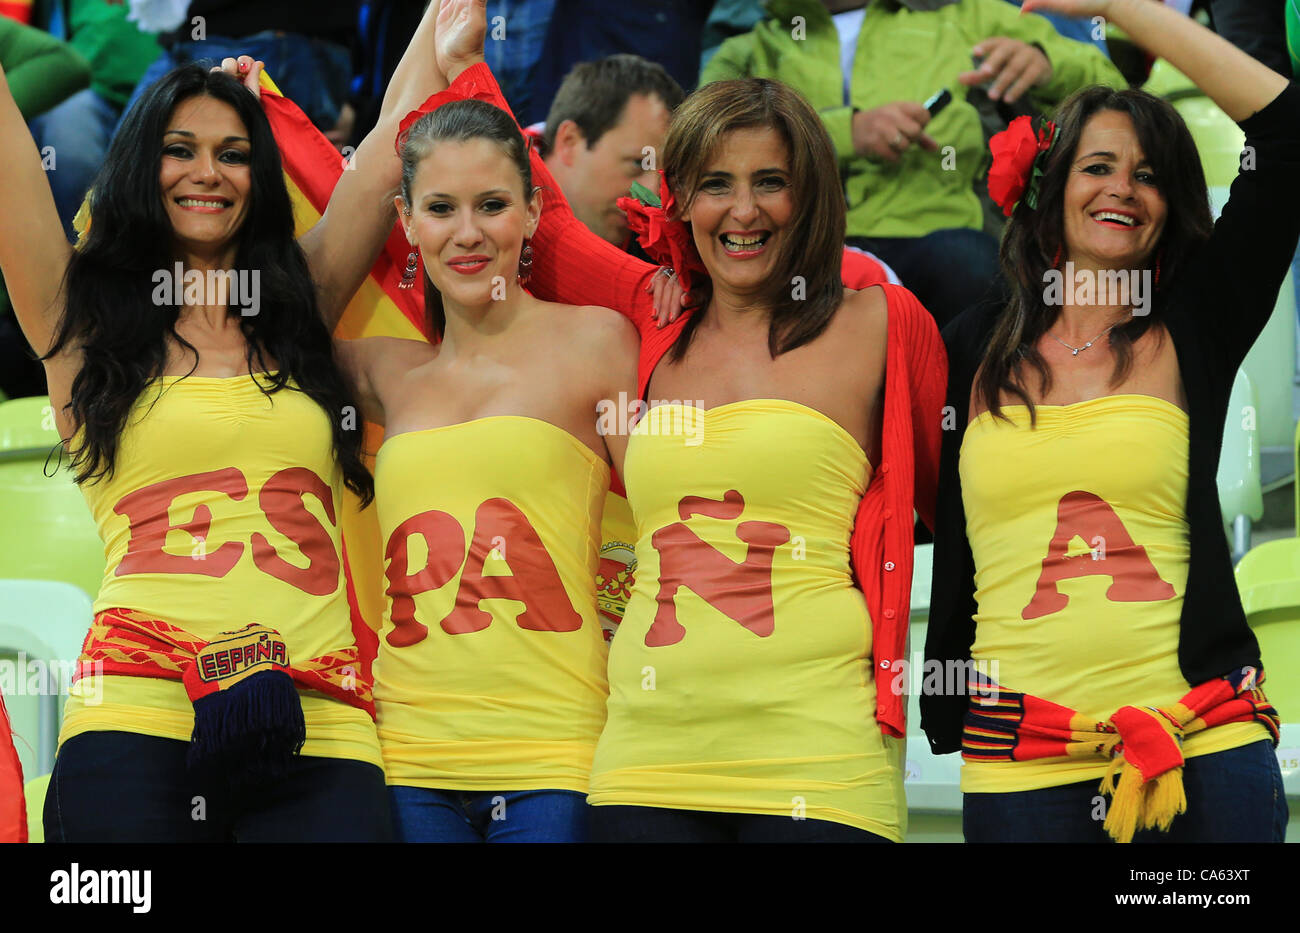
x,y
904,54
41,71
117,50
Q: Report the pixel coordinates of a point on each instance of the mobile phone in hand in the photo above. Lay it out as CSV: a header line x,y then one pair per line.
x,y
937,102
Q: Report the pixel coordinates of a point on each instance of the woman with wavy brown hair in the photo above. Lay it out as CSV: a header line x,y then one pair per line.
x,y
1080,559
752,680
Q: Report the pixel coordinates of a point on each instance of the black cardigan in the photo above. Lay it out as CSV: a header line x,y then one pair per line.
x,y
1213,316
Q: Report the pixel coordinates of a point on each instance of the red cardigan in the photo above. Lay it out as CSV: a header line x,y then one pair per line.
x,y
13,809
574,266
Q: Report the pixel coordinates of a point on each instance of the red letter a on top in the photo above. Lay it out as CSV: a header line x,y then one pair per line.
x,y
1133,577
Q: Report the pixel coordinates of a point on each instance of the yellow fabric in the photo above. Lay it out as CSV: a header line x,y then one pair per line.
x,y
1120,457
725,718
229,435
502,707
151,706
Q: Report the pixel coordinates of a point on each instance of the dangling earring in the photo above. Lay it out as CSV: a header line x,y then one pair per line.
x,y
1056,260
1156,283
408,274
525,263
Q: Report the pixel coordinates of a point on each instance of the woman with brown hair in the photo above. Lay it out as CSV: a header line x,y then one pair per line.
x,y
753,676
1090,409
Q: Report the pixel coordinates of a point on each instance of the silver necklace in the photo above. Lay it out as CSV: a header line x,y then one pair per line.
x,y
1075,350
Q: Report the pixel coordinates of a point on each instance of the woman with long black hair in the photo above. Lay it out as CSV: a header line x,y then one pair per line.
x,y
187,348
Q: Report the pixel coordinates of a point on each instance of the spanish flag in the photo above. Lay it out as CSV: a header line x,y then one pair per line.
x,y
312,167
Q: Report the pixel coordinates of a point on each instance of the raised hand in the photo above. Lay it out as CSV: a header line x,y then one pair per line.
x,y
462,30
247,69
1080,9
1011,66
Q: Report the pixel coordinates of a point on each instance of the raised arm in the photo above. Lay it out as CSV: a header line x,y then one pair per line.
x,y
347,240
33,250
1239,84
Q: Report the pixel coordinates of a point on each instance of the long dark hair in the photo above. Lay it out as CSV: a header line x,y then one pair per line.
x,y
111,318
814,243
459,121
1033,239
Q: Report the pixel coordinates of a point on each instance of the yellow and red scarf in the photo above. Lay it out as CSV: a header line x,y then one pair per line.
x,y
247,714
1144,743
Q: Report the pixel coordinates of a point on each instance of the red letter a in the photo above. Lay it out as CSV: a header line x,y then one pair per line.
x,y
1133,577
533,579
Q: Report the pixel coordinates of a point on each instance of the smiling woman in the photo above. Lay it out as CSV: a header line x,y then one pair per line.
x,y
489,715
206,177
1122,668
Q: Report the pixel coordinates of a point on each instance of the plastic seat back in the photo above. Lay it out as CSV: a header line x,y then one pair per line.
x,y
42,626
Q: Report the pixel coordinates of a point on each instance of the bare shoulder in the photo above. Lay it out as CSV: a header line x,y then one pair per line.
x,y
592,329
863,315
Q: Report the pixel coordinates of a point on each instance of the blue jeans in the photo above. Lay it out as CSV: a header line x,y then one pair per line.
x,y
662,824
947,270
423,815
78,131
1232,796
312,73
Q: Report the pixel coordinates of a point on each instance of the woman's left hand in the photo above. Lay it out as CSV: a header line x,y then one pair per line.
x,y
462,30
669,296
247,69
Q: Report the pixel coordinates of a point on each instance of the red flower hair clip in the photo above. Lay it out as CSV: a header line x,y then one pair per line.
x,y
667,240
1019,153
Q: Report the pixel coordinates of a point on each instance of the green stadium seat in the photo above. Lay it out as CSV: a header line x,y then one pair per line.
x,y
1295,448
46,531
42,626
1268,579
34,792
932,782
1240,496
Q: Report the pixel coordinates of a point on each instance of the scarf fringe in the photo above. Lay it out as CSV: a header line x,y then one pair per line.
x,y
1137,804
251,730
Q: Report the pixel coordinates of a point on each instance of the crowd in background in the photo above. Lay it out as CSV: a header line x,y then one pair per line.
x,y
598,81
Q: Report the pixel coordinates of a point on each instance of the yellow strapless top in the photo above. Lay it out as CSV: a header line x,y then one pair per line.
x,y
740,677
1079,533
223,509
491,668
